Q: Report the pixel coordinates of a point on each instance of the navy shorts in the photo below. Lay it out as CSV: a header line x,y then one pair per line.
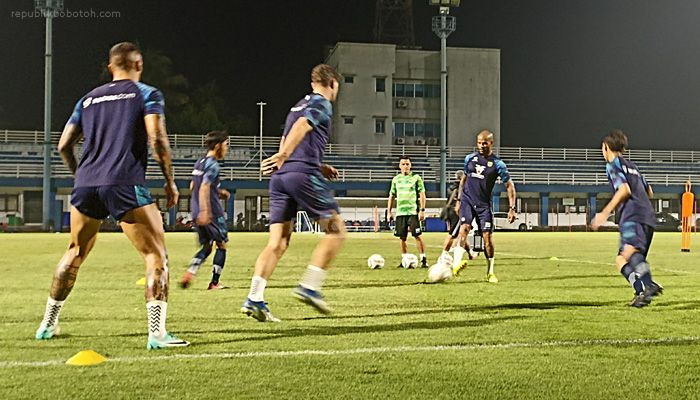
x,y
637,235
483,215
100,201
215,231
293,191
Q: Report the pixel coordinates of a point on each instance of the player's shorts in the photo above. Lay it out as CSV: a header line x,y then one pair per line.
x,y
100,201
637,235
406,223
483,215
215,231
293,191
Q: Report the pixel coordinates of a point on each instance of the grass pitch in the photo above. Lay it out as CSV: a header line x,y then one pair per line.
x,y
550,329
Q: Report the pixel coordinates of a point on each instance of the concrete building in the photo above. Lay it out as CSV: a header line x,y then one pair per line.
x,y
391,95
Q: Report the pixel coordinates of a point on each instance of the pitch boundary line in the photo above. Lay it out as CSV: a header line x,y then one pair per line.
x,y
374,350
674,271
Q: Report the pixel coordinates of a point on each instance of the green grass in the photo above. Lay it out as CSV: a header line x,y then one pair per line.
x,y
564,328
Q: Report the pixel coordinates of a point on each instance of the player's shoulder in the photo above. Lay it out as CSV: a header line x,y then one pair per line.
x,y
147,90
315,100
470,156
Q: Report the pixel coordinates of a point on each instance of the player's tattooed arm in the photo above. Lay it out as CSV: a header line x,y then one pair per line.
x,y
158,138
510,189
66,145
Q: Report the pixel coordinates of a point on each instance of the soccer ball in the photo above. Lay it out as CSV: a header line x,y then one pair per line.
x,y
445,259
409,261
375,261
439,272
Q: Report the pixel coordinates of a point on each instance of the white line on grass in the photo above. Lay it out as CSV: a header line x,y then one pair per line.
x,y
373,350
673,271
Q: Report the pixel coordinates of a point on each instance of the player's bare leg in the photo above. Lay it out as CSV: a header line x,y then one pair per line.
x,y
144,228
82,238
277,243
309,289
421,249
489,253
458,263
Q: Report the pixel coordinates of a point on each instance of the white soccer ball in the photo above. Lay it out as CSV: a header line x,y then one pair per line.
x,y
409,261
375,261
445,259
439,272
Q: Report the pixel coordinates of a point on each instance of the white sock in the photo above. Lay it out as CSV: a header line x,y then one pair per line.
x,y
458,255
53,308
444,253
194,265
490,265
257,288
313,277
157,312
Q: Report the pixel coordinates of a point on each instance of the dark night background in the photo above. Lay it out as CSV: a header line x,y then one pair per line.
x,y
571,69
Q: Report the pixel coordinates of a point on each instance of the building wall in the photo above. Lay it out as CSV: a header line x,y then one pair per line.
x,y
473,92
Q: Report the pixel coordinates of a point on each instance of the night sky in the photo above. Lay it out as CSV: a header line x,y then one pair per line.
x,y
571,69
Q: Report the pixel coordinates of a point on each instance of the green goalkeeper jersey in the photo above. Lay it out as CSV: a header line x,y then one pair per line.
x,y
406,190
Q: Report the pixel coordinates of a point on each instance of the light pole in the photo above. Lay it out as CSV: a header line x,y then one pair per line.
x,y
260,148
443,25
47,8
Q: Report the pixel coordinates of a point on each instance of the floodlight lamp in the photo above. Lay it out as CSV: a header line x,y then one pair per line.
x,y
444,3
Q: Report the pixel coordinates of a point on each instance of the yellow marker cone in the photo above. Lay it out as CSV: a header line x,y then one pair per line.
x,y
553,258
141,282
86,357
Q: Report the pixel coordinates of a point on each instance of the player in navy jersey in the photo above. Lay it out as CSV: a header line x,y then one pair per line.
x,y
299,182
117,121
637,218
207,213
481,169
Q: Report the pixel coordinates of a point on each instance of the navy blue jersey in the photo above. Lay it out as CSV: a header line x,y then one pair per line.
x,y
206,170
638,207
115,143
481,174
308,155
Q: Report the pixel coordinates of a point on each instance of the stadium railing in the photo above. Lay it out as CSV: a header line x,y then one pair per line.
x,y
21,156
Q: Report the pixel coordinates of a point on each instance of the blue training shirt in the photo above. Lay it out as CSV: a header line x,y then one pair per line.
x,y
637,207
115,143
481,174
308,155
206,170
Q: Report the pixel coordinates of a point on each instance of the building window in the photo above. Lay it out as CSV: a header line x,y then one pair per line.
x,y
410,89
419,90
349,79
9,202
398,129
380,84
347,120
409,128
400,90
379,125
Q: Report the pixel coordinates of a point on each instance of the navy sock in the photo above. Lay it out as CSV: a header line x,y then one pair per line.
x,y
628,272
641,267
203,253
219,261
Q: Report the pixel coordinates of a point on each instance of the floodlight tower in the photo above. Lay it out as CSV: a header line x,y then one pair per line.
x,y
443,25
48,8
